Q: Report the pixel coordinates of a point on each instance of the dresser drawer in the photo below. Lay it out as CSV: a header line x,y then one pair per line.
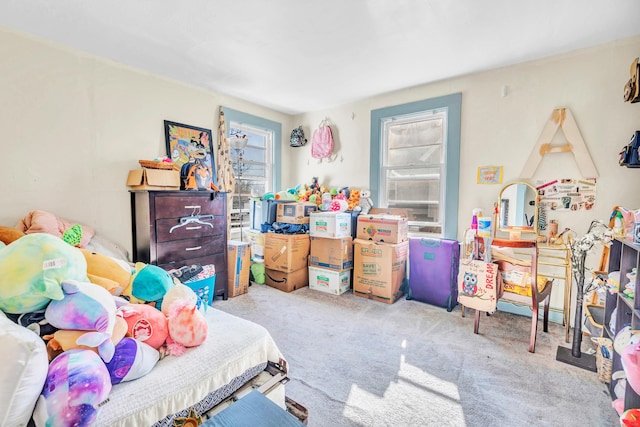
x,y
180,250
190,230
192,204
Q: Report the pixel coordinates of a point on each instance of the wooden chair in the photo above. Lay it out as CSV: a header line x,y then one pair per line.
x,y
540,288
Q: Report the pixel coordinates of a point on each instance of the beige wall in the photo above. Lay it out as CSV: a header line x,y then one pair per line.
x,y
499,130
73,126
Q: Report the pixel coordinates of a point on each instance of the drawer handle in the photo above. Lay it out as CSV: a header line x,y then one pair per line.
x,y
193,228
195,248
193,207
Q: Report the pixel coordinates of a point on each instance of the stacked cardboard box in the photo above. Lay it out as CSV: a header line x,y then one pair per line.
x,y
380,257
285,260
238,260
331,255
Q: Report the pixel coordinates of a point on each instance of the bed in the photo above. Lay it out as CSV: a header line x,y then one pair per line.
x,y
235,353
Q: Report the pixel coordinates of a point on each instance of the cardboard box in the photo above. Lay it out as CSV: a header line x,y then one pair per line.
x,y
294,213
287,281
330,224
286,252
153,179
238,263
329,281
379,269
334,254
383,228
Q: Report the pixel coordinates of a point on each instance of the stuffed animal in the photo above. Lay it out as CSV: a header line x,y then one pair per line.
x,y
77,382
145,323
107,272
9,235
179,292
149,283
86,307
132,359
65,339
33,267
187,327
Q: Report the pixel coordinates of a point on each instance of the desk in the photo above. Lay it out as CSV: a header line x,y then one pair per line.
x,y
254,409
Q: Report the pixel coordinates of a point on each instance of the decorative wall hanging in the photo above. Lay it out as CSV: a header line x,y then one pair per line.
x,y
561,118
490,175
632,87
567,194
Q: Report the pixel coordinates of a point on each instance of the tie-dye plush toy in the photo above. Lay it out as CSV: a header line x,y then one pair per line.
x,y
77,382
86,307
133,359
187,326
33,267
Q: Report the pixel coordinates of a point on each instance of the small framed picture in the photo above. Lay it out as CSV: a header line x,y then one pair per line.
x,y
490,175
186,143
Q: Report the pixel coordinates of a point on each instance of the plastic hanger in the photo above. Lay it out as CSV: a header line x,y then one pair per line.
x,y
193,219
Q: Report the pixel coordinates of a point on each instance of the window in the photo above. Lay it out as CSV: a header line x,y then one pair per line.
x,y
253,163
415,163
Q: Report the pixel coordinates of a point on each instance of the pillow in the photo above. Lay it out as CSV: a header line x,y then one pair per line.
x,y
23,370
45,222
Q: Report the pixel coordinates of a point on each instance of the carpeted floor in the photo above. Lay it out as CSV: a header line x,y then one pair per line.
x,y
356,362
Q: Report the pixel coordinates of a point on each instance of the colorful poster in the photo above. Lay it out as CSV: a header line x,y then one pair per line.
x,y
567,194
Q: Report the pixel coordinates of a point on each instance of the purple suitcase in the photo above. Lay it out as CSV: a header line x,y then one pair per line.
x,y
433,271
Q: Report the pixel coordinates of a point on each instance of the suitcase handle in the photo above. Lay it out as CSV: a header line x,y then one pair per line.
x,y
430,243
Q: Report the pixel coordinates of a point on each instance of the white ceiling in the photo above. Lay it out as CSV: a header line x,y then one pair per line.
x,y
302,55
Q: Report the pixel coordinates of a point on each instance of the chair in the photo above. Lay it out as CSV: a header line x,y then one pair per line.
x,y
525,268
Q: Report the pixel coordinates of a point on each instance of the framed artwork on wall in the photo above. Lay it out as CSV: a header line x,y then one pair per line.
x,y
490,175
189,144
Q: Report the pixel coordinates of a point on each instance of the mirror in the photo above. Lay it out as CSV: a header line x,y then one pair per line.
x,y
518,208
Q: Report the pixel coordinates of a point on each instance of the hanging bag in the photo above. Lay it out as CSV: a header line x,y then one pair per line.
x,y
322,141
297,138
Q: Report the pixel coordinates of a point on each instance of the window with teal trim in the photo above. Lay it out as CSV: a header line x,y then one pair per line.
x,y
415,162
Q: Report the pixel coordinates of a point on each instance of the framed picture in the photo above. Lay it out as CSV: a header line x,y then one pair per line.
x,y
186,143
490,175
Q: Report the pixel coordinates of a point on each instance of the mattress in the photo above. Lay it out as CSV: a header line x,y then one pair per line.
x,y
235,351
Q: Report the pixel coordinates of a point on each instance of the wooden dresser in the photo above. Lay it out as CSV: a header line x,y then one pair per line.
x,y
176,228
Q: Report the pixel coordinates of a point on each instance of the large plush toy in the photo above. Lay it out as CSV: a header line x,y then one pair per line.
x,y
149,284
64,339
9,235
33,267
107,272
187,325
86,307
145,323
132,359
77,382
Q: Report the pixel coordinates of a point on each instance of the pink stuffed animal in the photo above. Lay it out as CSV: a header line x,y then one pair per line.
x,y
187,326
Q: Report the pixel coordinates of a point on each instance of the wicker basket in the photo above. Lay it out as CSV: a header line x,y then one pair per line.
x,y
151,164
604,364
